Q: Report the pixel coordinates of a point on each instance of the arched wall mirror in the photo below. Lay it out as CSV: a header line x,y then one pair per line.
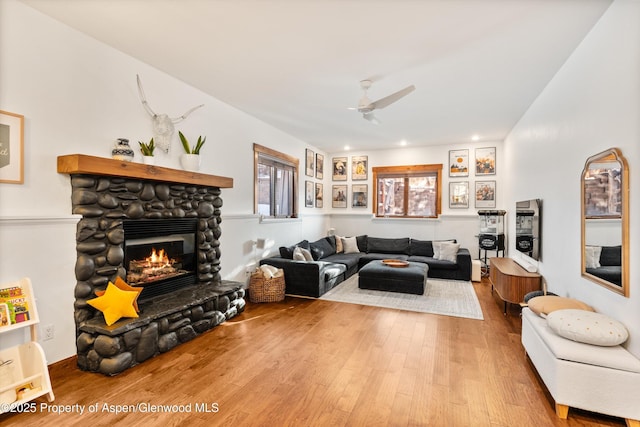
x,y
605,220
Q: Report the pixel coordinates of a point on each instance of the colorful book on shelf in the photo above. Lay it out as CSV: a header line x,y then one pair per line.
x,y
17,307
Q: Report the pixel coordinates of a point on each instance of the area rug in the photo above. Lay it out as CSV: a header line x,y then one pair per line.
x,y
448,297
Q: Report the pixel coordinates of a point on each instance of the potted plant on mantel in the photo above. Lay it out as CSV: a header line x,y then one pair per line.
x,y
190,160
147,152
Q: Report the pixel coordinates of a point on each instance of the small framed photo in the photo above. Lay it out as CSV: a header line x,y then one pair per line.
x,y
319,195
339,168
485,194
458,162
308,194
339,196
459,195
319,166
359,168
486,161
11,148
359,195
309,169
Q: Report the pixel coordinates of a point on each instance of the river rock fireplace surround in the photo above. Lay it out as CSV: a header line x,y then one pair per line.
x,y
126,209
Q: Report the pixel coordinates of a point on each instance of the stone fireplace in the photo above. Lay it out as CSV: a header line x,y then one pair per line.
x,y
157,228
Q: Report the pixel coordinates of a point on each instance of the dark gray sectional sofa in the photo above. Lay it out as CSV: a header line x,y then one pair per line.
x,y
314,278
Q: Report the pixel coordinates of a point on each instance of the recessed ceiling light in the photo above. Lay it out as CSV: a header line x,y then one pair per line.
x,y
475,138
347,148
403,142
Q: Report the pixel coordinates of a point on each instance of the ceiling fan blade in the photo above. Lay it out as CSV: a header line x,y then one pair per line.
x,y
388,100
369,116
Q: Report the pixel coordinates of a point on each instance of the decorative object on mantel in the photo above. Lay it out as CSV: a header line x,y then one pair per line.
x,y
122,150
162,123
147,152
190,160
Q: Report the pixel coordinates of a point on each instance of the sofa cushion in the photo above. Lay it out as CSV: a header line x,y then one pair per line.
x,y
434,264
287,251
388,246
587,327
546,304
611,256
350,245
321,248
421,248
350,260
339,248
362,242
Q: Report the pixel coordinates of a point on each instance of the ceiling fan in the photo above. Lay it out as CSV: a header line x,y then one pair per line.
x,y
366,106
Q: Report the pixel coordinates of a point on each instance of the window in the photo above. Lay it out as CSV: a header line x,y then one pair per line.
x,y
407,191
276,183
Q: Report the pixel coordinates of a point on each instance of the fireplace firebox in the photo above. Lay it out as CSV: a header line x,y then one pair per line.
x,y
160,254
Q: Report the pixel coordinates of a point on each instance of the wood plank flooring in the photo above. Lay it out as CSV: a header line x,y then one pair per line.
x,y
307,362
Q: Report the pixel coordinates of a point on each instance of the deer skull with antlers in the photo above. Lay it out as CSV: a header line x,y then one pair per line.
x,y
162,124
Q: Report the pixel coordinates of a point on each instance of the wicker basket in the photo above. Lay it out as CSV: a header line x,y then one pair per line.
x,y
262,289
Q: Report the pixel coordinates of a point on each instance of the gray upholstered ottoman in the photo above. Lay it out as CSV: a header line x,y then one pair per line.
x,y
378,276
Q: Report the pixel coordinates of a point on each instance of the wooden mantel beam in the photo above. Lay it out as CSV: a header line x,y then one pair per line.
x,y
73,164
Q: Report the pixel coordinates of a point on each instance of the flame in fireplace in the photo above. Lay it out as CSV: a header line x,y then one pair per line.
x,y
159,258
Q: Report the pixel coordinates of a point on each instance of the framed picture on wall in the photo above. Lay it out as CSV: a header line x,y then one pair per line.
x,y
458,162
359,167
339,168
319,166
309,164
319,195
459,195
339,196
486,161
11,148
485,194
359,196
309,194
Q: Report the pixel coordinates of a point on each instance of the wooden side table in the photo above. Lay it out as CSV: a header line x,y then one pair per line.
x,y
511,281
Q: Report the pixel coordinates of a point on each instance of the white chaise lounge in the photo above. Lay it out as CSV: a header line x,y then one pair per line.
x,y
593,378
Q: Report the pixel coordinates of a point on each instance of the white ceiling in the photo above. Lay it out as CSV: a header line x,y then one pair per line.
x,y
477,64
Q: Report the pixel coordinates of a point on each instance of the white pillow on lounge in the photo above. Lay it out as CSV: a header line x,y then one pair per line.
x,y
587,327
350,245
592,256
448,251
302,254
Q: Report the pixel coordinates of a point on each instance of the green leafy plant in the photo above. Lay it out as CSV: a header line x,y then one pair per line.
x,y
187,148
147,148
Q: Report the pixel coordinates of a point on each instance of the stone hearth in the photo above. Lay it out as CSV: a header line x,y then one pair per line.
x,y
107,192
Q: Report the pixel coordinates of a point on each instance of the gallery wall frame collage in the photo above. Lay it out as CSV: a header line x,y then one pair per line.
x,y
484,193
358,197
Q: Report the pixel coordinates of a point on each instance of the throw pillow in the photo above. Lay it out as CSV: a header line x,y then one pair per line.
x,y
339,248
350,245
287,252
611,255
449,251
115,304
544,305
587,327
124,286
301,254
592,256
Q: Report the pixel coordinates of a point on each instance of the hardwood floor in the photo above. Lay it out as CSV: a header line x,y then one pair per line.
x,y
308,362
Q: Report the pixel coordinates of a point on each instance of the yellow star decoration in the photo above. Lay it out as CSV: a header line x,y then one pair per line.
x,y
115,304
124,286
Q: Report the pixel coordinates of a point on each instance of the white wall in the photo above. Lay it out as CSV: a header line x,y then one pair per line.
x,y
79,96
593,103
461,224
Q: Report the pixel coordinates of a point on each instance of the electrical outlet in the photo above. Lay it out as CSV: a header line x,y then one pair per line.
x,y
47,332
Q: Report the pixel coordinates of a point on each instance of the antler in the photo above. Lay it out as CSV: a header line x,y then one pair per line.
x,y
184,116
144,98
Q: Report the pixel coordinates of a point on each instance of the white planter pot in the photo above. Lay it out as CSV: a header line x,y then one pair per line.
x,y
190,162
148,160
